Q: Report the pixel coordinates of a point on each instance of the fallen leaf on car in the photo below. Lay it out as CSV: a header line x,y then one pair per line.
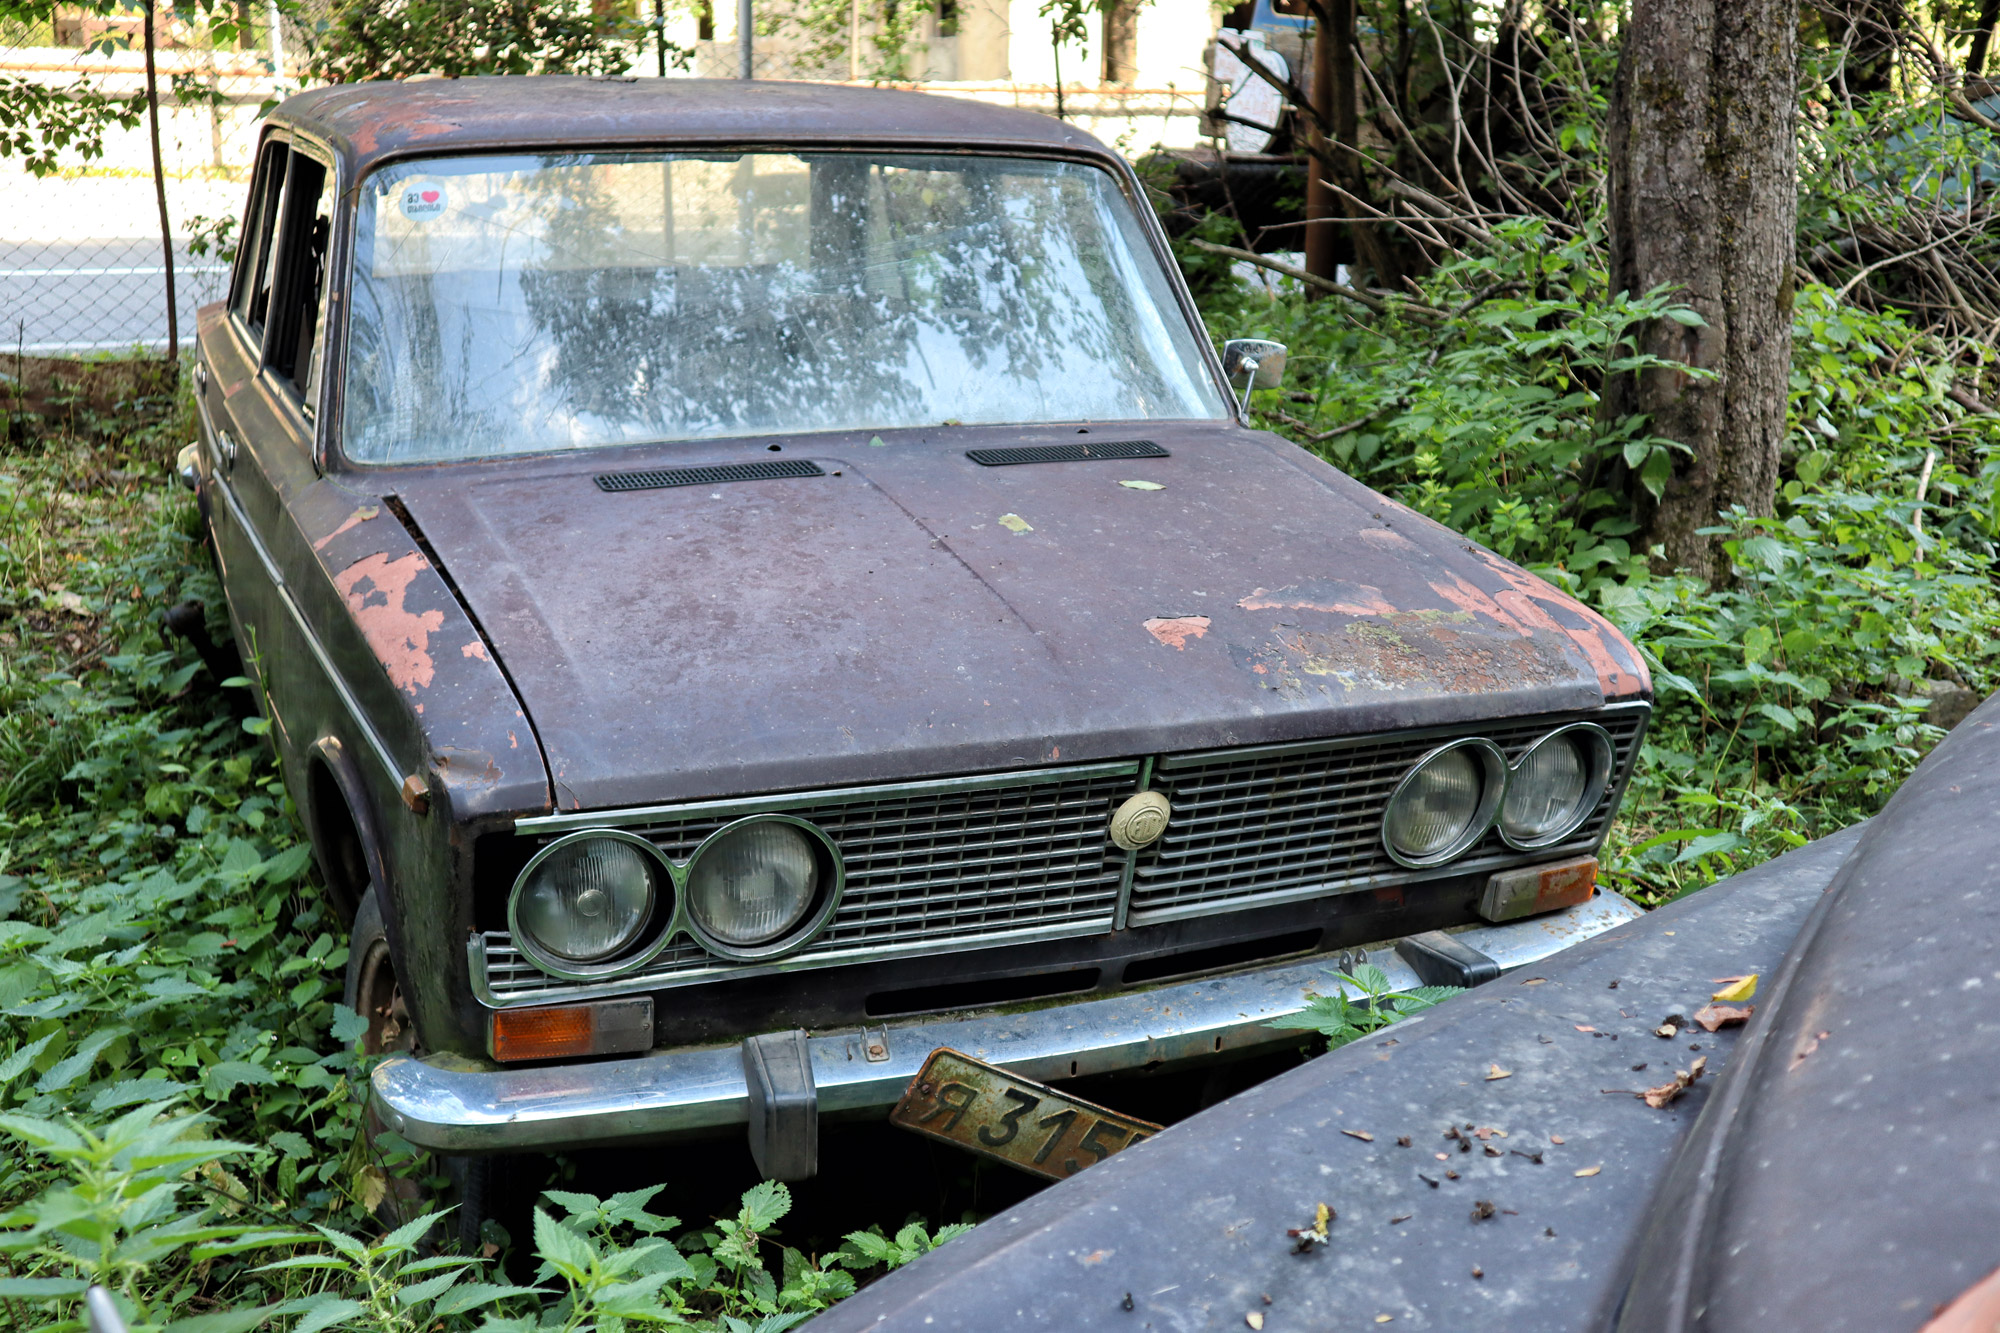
x,y
1383,1318
1255,1319
1142,485
1015,523
1361,1134
878,442
1402,1140
1400,1218
1713,1016
1534,981
1555,1138
1589,1170
1304,1238
1495,1071
1483,1209
1583,1027
1735,988
1663,1096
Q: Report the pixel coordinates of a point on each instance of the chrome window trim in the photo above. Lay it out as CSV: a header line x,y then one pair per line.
x,y
785,802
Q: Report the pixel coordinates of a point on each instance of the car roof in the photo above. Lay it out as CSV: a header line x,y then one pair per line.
x,y
366,123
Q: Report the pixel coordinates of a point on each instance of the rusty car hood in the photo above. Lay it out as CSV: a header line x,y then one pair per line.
x,y
912,613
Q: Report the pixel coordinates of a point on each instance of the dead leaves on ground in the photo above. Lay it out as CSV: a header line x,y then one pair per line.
x,y
1304,1238
1667,1093
1713,1016
1735,989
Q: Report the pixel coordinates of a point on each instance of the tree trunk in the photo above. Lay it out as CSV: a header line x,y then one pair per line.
x,y
1337,90
1703,200
1322,204
160,188
1982,36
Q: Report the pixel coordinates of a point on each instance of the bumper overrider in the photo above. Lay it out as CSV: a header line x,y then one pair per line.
x,y
782,1083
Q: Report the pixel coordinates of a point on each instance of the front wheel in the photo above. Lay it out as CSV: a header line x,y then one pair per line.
x,y
497,1188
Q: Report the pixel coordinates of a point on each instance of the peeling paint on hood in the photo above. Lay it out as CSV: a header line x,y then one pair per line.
x,y
876,623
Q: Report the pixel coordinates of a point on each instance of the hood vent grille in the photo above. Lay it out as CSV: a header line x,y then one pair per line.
x,y
712,475
1067,453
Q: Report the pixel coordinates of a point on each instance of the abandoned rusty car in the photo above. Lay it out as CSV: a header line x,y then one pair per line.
x,y
754,584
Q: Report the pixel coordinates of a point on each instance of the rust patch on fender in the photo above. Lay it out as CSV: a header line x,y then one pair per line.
x,y
1175,631
475,649
354,520
375,587
1524,606
1332,595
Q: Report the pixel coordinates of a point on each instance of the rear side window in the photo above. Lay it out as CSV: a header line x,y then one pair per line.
x,y
255,257
298,296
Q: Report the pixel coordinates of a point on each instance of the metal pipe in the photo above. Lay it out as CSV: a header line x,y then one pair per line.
x,y
275,32
743,36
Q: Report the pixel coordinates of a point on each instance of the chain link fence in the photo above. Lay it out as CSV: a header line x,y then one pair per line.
x,y
82,268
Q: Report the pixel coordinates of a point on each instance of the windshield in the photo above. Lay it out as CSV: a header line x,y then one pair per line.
x,y
519,304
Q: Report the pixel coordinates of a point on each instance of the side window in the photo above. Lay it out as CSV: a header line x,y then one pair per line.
x,y
252,294
297,320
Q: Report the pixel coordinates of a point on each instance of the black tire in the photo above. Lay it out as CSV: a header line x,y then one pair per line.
x,y
497,1188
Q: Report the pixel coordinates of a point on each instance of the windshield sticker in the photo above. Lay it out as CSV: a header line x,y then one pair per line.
x,y
422,200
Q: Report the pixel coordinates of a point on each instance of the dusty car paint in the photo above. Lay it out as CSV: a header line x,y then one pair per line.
x,y
448,650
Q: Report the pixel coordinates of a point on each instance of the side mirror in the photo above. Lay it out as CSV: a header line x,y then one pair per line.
x,y
1258,363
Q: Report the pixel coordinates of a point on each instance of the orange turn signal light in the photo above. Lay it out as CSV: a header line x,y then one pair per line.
x,y
559,1032
1532,890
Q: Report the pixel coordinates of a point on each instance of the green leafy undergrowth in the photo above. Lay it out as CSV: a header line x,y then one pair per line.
x,y
1341,1020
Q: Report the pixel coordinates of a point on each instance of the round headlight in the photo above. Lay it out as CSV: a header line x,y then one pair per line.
x,y
753,885
1555,786
1445,804
585,898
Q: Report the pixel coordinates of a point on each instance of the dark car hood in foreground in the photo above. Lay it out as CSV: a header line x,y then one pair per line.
x,y
1847,1173
1187,1231
914,613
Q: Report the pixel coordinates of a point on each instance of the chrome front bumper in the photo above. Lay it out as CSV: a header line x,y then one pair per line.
x,y
864,1070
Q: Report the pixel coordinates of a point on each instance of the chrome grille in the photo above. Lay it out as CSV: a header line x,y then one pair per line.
x,y
1276,823
1010,858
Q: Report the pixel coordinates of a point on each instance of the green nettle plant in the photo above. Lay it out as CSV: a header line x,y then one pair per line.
x,y
1341,1020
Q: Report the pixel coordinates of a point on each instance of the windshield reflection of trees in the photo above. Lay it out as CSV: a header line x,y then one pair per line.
x,y
931,290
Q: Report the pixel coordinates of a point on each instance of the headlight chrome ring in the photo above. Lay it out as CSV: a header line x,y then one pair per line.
x,y
741,882
625,949
1539,768
1431,781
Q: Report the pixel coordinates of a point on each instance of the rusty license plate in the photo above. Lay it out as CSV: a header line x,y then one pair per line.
x,y
1017,1120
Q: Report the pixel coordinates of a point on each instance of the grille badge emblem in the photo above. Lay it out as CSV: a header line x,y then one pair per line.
x,y
1140,821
